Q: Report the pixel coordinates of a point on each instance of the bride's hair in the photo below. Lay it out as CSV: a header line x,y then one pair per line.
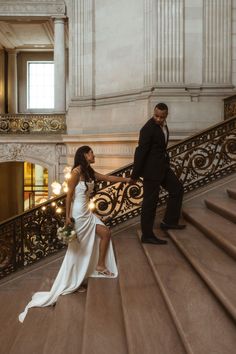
x,y
80,160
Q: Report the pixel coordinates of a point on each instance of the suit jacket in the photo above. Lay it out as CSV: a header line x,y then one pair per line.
x,y
151,158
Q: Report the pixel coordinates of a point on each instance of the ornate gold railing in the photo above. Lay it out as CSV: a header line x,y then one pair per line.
x,y
32,123
197,161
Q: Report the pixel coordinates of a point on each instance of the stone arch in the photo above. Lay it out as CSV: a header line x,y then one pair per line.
x,y
47,155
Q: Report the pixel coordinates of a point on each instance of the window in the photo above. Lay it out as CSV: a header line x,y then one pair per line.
x,y
35,185
40,85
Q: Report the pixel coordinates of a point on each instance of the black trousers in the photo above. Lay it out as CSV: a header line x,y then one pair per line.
x,y
151,189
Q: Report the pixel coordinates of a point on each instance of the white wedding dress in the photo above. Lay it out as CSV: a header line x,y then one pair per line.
x,y
81,257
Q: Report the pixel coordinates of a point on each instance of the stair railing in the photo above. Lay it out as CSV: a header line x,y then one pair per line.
x,y
197,161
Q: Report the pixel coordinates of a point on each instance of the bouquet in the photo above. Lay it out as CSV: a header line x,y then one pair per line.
x,y
67,232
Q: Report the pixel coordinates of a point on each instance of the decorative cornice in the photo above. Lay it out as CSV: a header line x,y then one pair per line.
x,y
23,8
170,90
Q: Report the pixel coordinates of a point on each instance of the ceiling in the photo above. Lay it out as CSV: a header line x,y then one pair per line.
x,y
27,34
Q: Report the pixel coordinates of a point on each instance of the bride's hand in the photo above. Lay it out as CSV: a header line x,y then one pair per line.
x,y
68,221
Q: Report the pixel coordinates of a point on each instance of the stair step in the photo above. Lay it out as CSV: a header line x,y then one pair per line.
x,y
69,314
231,193
195,310
104,330
149,326
11,303
225,208
36,324
215,267
215,227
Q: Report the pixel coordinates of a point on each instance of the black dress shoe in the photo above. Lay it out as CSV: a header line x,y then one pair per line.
x,y
165,226
153,240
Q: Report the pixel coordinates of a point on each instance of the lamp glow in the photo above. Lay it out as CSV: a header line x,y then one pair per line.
x,y
56,188
65,187
67,172
91,204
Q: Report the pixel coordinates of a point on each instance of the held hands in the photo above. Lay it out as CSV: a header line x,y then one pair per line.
x,y
132,181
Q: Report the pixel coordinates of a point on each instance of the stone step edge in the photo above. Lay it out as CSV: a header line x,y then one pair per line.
x,y
167,300
227,214
215,290
231,193
212,235
88,295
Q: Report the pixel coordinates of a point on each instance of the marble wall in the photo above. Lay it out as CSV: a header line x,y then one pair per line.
x,y
127,55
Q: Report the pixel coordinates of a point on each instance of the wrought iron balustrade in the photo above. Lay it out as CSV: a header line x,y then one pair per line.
x,y
197,161
32,123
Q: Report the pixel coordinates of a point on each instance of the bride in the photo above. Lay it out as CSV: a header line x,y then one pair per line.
x,y
91,254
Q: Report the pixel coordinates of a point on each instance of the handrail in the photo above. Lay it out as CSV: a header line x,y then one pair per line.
x,y
197,161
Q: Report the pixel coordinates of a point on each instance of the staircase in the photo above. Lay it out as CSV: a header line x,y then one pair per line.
x,y
174,299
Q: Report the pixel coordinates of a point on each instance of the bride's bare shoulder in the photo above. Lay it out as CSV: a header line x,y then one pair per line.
x,y
76,170
76,173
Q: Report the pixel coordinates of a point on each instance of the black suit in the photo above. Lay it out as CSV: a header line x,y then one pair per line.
x,y
151,161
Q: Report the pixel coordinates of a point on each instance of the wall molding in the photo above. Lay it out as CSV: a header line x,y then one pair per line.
x,y
31,8
170,90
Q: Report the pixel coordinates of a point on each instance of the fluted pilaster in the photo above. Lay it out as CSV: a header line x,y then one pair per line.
x,y
82,48
217,41
12,81
150,42
59,66
170,41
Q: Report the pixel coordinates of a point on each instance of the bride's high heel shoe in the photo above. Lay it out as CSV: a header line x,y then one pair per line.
x,y
105,272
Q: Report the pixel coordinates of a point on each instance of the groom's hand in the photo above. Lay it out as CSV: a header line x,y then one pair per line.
x,y
132,181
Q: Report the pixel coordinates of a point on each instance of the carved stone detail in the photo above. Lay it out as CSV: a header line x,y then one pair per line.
x,y
38,153
82,47
43,8
217,41
170,41
32,123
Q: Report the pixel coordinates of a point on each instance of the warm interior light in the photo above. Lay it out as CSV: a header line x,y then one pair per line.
x,y
91,204
56,188
65,187
67,172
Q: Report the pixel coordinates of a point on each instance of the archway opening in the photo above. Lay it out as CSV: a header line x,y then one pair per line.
x,y
23,185
35,185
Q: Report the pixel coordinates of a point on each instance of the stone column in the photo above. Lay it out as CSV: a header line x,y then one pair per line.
x,y
217,42
12,81
150,42
81,49
2,81
59,66
170,15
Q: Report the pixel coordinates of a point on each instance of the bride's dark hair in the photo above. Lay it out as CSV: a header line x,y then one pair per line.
x,y
80,160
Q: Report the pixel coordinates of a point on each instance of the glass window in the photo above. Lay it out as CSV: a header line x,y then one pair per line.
x,y
40,85
35,185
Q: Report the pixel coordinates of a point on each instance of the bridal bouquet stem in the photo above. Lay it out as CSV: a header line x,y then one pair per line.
x,y
67,232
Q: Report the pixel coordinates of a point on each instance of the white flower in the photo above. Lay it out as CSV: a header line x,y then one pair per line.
x,y
66,233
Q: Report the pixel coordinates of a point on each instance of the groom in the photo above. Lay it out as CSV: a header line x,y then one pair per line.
x,y
151,161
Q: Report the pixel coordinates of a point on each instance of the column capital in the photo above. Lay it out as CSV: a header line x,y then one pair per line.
x,y
59,19
12,50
